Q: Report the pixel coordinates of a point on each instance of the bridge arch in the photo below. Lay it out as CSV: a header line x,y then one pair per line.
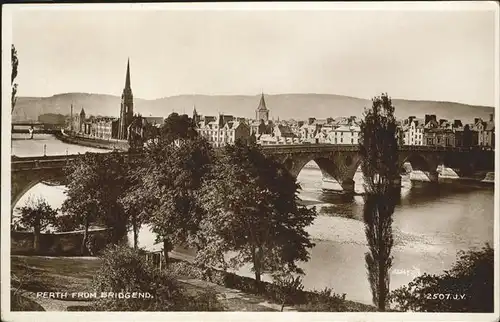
x,y
23,182
340,166
421,162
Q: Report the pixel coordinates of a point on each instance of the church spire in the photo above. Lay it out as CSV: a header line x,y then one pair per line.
x,y
127,79
262,104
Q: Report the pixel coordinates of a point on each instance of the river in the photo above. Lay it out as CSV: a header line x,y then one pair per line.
x,y
431,223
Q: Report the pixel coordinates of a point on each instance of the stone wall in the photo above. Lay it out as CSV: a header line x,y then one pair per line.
x,y
94,143
55,244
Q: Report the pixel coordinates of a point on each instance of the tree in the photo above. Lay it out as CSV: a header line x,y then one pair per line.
x,y
15,64
252,215
178,127
37,214
168,186
96,182
467,287
132,199
379,149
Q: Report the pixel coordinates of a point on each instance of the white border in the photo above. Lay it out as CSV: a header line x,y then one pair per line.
x,y
226,316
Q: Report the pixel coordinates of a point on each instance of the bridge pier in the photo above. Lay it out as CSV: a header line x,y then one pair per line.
x,y
347,185
433,176
396,182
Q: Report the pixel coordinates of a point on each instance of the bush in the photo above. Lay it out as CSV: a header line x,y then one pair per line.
x,y
124,269
467,287
288,286
324,301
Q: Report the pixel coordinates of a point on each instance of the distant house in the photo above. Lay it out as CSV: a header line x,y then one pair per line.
x,y
283,131
412,130
344,134
223,130
485,131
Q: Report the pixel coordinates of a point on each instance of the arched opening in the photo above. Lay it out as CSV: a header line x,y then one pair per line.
x,y
417,168
321,190
50,191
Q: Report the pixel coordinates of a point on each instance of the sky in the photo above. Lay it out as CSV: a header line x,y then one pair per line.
x,y
445,55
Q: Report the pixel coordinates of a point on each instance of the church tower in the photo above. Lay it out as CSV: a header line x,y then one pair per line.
x,y
262,113
196,117
127,107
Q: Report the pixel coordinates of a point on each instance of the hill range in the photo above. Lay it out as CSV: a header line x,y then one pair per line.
x,y
282,106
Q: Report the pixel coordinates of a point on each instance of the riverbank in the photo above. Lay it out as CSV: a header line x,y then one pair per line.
x,y
111,144
73,275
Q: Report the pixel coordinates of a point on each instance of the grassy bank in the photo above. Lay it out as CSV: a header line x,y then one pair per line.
x,y
75,274
53,274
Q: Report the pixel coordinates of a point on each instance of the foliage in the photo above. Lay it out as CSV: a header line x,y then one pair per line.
x,y
379,145
177,127
131,196
96,182
124,269
324,301
167,189
467,287
288,285
36,214
252,215
15,64
379,150
67,223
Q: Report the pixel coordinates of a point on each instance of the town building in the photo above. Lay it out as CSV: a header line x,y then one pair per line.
x,y
412,130
485,131
223,130
262,113
262,124
344,134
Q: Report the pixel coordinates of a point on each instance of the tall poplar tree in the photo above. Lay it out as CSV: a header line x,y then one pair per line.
x,y
379,149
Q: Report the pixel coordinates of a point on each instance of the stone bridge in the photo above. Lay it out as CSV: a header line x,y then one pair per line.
x,y
341,161
337,161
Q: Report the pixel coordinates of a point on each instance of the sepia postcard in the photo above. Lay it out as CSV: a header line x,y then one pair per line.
x,y
250,161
